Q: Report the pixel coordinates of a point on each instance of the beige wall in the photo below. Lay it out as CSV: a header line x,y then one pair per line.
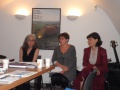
x,y
13,31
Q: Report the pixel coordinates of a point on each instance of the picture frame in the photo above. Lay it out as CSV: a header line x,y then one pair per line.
x,y
46,27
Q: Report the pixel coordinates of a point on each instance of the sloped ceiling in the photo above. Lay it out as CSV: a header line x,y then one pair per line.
x,y
112,8
4,2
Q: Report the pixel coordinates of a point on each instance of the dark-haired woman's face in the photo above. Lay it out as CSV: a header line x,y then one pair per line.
x,y
92,42
63,40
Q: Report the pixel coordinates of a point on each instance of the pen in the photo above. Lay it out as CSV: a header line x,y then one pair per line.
x,y
5,76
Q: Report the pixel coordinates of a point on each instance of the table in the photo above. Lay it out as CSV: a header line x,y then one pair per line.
x,y
23,80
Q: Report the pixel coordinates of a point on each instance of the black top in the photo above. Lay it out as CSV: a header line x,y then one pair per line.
x,y
28,57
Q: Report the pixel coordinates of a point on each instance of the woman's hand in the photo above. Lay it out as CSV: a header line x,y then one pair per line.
x,y
64,69
98,72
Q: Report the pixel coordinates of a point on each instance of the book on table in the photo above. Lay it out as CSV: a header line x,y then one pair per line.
x,y
23,64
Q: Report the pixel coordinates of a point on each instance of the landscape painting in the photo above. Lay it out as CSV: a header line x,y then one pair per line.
x,y
46,27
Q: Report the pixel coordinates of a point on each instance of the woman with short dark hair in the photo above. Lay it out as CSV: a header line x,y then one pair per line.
x,y
95,57
64,56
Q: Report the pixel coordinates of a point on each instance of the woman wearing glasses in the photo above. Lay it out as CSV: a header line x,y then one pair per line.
x,y
29,53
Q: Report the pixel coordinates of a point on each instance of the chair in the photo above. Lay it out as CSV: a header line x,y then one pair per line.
x,y
106,82
2,57
106,85
11,60
88,81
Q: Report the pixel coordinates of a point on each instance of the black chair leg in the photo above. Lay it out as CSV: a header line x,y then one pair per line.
x,y
106,85
50,86
38,83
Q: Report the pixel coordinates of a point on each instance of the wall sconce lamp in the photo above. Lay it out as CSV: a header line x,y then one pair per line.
x,y
72,17
21,13
73,14
20,17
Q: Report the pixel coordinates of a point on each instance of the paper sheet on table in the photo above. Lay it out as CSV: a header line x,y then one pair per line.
x,y
9,79
56,69
21,73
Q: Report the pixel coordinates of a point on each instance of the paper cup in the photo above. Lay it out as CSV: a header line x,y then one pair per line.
x,y
39,63
1,60
5,63
47,62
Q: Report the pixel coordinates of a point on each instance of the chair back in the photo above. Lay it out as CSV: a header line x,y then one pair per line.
x,y
39,57
2,57
11,60
88,81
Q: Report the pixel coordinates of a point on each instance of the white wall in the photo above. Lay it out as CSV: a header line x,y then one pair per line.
x,y
13,31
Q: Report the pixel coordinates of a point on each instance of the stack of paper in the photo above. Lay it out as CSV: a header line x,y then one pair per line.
x,y
17,64
22,65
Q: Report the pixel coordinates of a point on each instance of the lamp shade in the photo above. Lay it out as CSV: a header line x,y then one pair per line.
x,y
20,17
72,17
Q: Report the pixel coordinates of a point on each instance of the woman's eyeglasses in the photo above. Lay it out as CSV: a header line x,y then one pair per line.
x,y
31,40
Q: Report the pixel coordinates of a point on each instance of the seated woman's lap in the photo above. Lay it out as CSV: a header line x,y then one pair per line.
x,y
98,83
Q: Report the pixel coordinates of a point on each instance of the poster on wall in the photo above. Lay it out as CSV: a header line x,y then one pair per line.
x,y
46,27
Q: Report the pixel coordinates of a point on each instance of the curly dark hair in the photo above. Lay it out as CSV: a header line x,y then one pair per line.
x,y
66,35
95,35
25,43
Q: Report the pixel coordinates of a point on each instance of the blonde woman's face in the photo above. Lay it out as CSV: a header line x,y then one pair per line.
x,y
31,41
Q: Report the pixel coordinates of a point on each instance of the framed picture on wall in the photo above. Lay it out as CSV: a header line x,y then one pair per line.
x,y
46,27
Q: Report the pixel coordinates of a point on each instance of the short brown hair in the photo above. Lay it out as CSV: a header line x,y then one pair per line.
x,y
66,35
